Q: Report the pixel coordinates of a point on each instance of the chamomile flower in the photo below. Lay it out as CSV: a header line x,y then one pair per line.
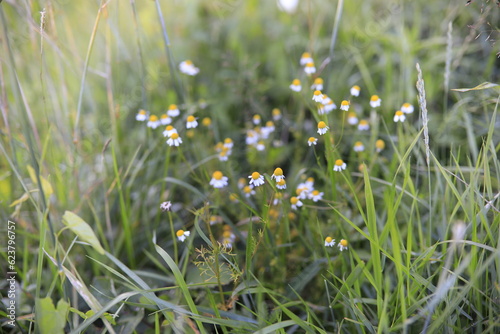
x,y
187,67
339,166
256,179
278,197
352,118
399,116
169,131
191,122
375,101
317,96
359,147
312,141
173,111
268,129
379,145
343,244
321,109
248,191
207,121
322,128
228,142
278,174
256,119
261,146
141,116
276,114
329,105
252,137
296,86
355,90
309,68
363,125
165,119
344,105
329,242
407,108
228,238
224,154
153,122
182,235
242,182
218,180
295,203
306,58
281,184
317,84
316,195
174,140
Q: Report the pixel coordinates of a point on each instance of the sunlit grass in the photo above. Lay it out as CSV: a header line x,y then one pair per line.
x,y
383,222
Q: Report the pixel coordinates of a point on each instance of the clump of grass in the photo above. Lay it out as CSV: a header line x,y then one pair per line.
x,y
213,196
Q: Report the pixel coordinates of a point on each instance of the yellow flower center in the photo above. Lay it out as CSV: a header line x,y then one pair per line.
x,y
191,118
228,141
317,93
294,200
351,115
318,81
328,239
281,182
343,242
180,233
310,65
380,144
315,192
153,118
358,144
174,136
169,128
142,112
172,107
217,175
321,125
399,113
227,234
206,121
310,179
256,117
406,105
255,175
269,124
363,122
356,87
295,82
276,111
164,116
339,162
247,190
306,55
345,103
374,98
278,172
312,139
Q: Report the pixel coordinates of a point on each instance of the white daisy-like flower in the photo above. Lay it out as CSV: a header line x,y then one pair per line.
x,y
166,206
165,119
306,58
322,128
407,108
182,235
312,141
153,122
187,67
173,111
169,131
329,106
278,197
261,146
252,137
363,125
344,105
359,147
375,101
228,142
276,114
355,90
295,203
228,238
399,116
191,122
248,191
316,195
317,96
281,184
329,242
174,140
379,145
218,180
256,119
317,84
321,109
343,244
296,86
309,68
352,119
224,155
256,179
278,174
242,182
268,129
339,166
141,116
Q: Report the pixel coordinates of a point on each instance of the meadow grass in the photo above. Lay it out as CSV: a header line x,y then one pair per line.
x,y
118,231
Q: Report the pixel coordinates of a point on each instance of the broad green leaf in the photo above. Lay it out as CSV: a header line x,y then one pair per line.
x,y
82,230
49,318
46,186
484,85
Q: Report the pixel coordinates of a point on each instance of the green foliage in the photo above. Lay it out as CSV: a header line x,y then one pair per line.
x,y
414,215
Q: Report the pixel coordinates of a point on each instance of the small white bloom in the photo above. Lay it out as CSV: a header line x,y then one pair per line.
x,y
173,111
329,242
363,125
407,108
295,203
322,128
191,122
141,116
218,180
344,105
316,195
306,58
169,131
343,244
359,147
256,179
153,122
339,166
187,67
317,96
375,101
399,116
174,140
312,141
165,119
355,90
309,68
296,86
182,235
